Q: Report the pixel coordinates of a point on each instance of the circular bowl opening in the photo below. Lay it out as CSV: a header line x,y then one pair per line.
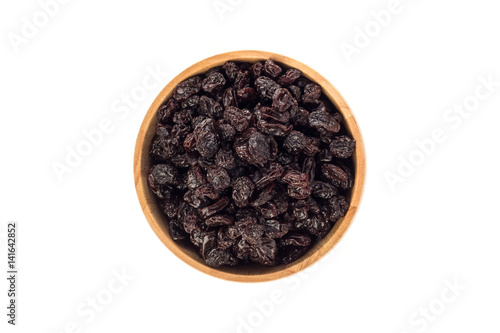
x,y
184,250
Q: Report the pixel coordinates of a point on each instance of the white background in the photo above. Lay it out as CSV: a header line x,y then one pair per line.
x,y
441,224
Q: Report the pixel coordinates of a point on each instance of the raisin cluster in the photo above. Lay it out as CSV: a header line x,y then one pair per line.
x,y
250,163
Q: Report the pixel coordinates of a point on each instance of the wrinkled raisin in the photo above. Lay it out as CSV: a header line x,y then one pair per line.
x,y
295,142
283,99
289,77
236,117
207,144
218,220
324,120
342,146
187,88
243,189
218,177
265,87
214,82
272,69
311,93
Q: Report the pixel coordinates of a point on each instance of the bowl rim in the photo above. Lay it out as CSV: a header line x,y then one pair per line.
x,y
320,249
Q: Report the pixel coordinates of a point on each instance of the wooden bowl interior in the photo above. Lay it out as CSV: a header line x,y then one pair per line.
x,y
184,250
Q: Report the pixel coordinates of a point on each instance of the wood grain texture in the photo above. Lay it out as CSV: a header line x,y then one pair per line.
x,y
245,273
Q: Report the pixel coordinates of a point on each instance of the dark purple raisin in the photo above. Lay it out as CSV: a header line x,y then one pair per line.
x,y
177,230
292,253
295,142
225,159
236,117
289,77
265,87
224,239
323,190
207,144
226,131
273,128
295,178
264,196
272,69
207,191
276,229
164,174
191,103
282,99
312,146
242,80
218,220
264,253
209,107
214,208
337,207
166,111
296,92
253,233
342,146
243,189
219,257
338,176
295,239
271,114
231,70
218,177
269,174
300,209
187,88
257,69
229,98
299,116
214,82
299,192
183,116
324,120
311,93
247,95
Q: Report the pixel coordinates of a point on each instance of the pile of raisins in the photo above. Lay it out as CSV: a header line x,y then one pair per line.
x,y
250,164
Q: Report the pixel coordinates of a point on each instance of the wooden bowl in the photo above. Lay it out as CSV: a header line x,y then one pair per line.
x,y
254,272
